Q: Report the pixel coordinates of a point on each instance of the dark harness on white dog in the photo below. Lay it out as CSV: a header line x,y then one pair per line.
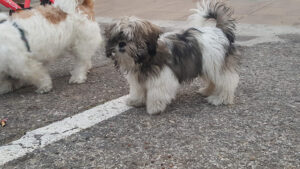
x,y
22,33
23,37
2,21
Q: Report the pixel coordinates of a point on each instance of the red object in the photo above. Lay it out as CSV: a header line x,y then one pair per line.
x,y
10,4
27,4
3,122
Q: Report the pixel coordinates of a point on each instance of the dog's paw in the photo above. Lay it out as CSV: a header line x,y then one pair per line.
x,y
156,108
135,102
217,100
18,84
43,90
154,111
204,92
214,100
5,87
77,79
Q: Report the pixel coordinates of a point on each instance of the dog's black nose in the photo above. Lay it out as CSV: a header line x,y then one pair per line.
x,y
122,44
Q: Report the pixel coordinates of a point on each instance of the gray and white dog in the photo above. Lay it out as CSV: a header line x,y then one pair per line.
x,y
156,63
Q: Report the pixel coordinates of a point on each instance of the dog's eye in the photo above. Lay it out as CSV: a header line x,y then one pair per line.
x,y
122,44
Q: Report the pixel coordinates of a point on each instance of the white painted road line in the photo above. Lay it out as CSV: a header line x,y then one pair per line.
x,y
56,131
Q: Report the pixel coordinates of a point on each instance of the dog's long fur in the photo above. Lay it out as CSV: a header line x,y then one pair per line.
x,y
30,39
157,63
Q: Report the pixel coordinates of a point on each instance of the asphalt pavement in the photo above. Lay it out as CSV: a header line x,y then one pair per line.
x,y
261,130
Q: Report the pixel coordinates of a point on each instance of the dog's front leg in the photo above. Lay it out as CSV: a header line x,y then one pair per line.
x,y
88,41
83,52
161,91
81,68
137,93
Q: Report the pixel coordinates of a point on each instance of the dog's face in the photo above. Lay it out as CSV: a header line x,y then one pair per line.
x,y
131,41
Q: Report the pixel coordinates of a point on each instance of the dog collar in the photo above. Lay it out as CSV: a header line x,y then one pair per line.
x,y
23,37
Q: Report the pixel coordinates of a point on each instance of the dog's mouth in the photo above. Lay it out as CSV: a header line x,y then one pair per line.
x,y
120,48
111,53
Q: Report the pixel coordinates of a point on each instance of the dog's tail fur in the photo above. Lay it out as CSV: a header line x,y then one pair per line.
x,y
70,6
88,4
217,11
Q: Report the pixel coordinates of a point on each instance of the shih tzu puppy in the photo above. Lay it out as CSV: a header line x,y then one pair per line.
x,y
156,63
32,38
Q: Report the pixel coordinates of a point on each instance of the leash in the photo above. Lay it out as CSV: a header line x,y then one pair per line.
x,y
10,4
14,6
27,4
23,36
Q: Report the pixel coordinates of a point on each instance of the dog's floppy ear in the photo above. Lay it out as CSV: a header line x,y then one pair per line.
x,y
152,38
108,33
108,30
151,48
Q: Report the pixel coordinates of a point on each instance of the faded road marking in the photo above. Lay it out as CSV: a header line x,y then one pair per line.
x,y
56,131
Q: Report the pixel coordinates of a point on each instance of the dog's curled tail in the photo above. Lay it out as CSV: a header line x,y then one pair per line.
x,y
217,11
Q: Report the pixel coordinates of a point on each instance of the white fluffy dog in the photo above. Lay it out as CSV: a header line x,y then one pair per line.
x,y
32,38
156,63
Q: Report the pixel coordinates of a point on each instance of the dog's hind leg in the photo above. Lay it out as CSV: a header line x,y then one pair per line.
x,y
208,90
225,87
33,72
5,85
17,84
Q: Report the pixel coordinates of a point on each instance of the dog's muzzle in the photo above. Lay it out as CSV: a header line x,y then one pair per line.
x,y
110,53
